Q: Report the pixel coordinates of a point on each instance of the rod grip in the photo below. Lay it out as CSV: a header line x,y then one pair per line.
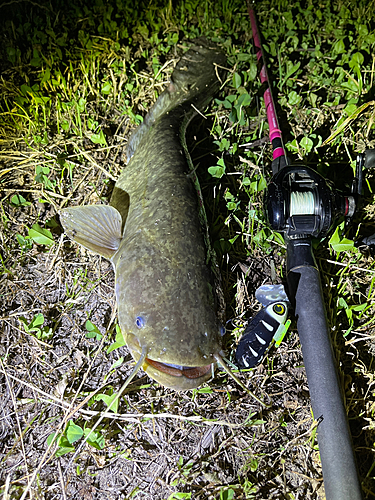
x,y
335,446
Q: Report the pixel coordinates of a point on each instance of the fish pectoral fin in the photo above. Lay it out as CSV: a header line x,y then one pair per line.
x,y
95,227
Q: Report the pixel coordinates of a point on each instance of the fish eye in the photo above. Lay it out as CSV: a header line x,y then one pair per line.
x,y
139,322
222,330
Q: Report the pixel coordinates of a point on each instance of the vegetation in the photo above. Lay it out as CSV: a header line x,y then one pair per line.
x,y
75,80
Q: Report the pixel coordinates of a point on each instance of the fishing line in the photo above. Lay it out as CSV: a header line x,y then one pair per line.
x,y
302,203
226,368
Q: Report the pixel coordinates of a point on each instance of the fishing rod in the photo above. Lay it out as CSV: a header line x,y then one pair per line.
x,y
302,205
280,159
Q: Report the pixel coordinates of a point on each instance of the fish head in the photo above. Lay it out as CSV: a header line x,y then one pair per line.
x,y
173,316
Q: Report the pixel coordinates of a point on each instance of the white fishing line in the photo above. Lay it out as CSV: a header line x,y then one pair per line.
x,y
302,203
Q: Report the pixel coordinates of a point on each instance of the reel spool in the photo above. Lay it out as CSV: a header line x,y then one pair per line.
x,y
301,203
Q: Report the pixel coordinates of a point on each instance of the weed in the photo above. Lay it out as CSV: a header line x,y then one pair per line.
x,y
92,331
35,327
72,434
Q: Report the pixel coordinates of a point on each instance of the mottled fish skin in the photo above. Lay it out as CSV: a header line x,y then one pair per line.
x,y
164,286
194,79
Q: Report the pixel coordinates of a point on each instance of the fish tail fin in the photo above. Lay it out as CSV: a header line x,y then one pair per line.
x,y
226,368
196,78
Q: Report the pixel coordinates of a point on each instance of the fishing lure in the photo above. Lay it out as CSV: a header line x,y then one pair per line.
x,y
269,324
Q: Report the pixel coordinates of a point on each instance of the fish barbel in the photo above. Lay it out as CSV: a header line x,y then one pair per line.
x,y
152,233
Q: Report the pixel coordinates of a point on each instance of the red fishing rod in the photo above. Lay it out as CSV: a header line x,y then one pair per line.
x,y
302,205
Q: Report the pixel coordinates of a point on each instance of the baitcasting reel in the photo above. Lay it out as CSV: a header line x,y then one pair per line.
x,y
302,204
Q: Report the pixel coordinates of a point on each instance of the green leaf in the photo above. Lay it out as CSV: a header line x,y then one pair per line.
x,y
357,60
290,70
96,439
230,99
25,89
307,144
73,432
46,76
90,327
244,99
52,223
253,71
38,320
25,243
219,170
120,340
65,125
92,124
216,171
312,97
237,80
224,144
117,363
204,390
106,88
42,170
51,437
93,331
108,400
293,98
18,200
232,205
342,303
262,183
243,56
40,235
81,104
232,240
179,495
341,245
362,30
350,108
339,47
359,307
63,444
64,447
227,494
292,146
98,138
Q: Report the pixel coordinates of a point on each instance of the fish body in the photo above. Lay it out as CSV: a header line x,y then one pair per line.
x,y
153,235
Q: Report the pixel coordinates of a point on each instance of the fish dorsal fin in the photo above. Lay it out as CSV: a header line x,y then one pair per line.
x,y
96,227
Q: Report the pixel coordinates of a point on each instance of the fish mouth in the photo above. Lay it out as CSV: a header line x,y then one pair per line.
x,y
191,372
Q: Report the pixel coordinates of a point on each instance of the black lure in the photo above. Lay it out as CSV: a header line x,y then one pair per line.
x,y
266,325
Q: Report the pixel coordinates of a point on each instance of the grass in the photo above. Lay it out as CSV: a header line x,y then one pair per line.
x,y
75,81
